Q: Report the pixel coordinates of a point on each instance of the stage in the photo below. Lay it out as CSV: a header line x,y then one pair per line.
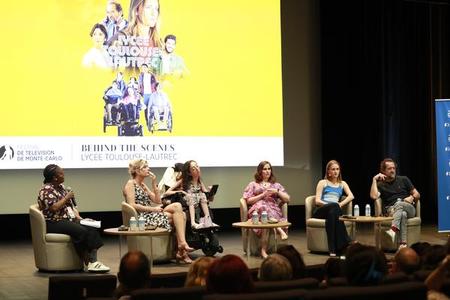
x,y
19,278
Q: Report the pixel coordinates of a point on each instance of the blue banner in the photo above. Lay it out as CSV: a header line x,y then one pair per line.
x,y
443,162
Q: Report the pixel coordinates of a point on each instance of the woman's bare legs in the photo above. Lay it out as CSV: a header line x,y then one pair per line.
x,y
178,218
282,234
264,242
192,215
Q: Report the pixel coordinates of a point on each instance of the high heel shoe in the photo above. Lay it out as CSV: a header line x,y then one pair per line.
x,y
185,247
183,256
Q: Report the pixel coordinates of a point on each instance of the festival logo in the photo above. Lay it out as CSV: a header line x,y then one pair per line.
x,y
6,152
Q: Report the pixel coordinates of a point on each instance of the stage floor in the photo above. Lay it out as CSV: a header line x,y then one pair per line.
x,y
19,278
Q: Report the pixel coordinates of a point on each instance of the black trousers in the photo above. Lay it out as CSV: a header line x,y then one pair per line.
x,y
84,238
337,235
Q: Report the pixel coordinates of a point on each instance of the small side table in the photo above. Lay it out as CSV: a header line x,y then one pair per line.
x,y
248,225
149,233
363,219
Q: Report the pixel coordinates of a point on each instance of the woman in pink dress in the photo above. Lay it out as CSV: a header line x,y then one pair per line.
x,y
266,194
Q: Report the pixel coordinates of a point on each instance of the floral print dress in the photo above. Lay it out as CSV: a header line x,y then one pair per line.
x,y
270,203
158,219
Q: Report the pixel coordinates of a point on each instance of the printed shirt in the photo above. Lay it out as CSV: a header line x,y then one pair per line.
x,y
49,195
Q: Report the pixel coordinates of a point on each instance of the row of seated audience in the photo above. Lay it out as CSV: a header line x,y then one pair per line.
x,y
420,267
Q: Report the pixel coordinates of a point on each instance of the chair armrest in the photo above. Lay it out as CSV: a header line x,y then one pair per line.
x,y
243,209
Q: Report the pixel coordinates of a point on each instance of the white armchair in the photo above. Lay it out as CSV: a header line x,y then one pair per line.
x,y
255,248
52,251
316,234
413,228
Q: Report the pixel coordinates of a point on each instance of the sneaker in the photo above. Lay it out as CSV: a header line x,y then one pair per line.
x,y
391,234
97,267
402,245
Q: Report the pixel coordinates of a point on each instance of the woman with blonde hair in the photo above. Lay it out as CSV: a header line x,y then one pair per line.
x,y
148,202
328,193
196,276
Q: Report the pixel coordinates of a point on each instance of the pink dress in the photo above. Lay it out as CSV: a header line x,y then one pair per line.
x,y
270,203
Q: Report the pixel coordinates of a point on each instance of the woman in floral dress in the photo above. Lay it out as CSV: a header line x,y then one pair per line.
x,y
266,194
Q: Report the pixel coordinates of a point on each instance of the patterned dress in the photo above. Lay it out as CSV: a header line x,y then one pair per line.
x,y
195,195
158,219
270,203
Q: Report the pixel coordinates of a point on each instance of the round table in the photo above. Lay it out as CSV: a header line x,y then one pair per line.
x,y
368,219
125,233
248,225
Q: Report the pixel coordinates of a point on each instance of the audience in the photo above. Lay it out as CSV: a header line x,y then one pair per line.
x,y
332,269
275,267
134,273
295,259
229,274
435,280
365,266
196,276
406,260
433,256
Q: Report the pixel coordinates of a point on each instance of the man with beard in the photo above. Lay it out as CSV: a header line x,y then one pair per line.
x,y
398,196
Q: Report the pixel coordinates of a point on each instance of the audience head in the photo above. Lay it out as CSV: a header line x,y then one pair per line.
x,y
433,256
134,271
259,172
420,248
406,260
135,165
275,267
365,266
331,164
333,268
229,274
196,276
295,259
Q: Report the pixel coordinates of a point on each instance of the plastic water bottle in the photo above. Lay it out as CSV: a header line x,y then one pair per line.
x,y
255,217
141,222
264,218
356,210
133,224
367,210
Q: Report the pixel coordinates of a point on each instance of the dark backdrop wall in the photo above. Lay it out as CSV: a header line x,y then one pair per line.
x,y
383,64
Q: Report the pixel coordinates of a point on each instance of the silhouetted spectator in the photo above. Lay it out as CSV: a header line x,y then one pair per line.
x,y
275,267
406,260
433,256
134,273
295,259
332,268
367,266
229,274
196,276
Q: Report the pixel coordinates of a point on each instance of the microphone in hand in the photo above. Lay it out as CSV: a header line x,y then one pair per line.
x,y
69,189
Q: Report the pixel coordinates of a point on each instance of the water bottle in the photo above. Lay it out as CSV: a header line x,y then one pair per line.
x,y
141,222
255,217
264,218
367,210
133,224
356,210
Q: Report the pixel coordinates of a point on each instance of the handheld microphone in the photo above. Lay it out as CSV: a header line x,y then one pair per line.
x,y
69,189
